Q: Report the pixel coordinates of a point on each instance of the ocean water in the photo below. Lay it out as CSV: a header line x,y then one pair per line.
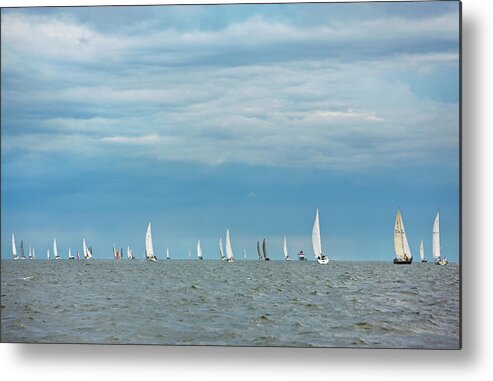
x,y
246,303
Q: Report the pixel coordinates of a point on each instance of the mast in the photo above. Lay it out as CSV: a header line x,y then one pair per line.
x,y
229,249
436,237
14,249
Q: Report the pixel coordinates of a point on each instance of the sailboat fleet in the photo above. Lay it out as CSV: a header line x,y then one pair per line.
x,y
402,249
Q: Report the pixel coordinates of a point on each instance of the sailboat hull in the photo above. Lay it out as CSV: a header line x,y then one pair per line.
x,y
402,262
152,259
441,262
424,260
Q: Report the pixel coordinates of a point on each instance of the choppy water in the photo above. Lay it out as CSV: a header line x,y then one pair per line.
x,y
276,303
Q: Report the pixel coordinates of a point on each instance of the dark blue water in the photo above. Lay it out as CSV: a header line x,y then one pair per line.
x,y
276,303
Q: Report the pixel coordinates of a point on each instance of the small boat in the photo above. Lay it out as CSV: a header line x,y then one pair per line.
x,y
48,254
21,249
221,252
85,250
260,258
317,242
30,255
116,253
264,249
167,254
301,256
55,250
229,249
285,250
199,250
403,254
422,252
149,247
70,256
130,253
437,255
14,249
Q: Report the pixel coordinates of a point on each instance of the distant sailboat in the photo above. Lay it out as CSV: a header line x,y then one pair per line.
x,y
436,243
30,255
149,247
116,253
21,249
199,250
285,250
317,242
167,254
130,253
229,249
403,254
244,254
422,252
48,254
221,252
78,255
260,258
264,249
14,249
87,253
55,250
70,256
189,253
34,254
301,256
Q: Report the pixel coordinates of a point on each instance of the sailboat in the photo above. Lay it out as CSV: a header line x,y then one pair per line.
x,y
34,254
21,249
130,254
87,253
199,250
14,249
422,252
436,243
244,254
189,253
78,255
55,250
264,249
285,250
221,252
317,242
149,247
70,256
167,254
260,258
48,254
116,253
30,255
403,254
229,249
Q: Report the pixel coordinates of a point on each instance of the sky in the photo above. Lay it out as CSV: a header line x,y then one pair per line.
x,y
247,117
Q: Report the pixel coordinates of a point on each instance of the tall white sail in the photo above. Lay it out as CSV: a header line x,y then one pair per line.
x,y
48,254
149,246
422,250
436,237
34,254
55,250
199,250
30,255
14,249
130,254
316,240
221,251
70,253
229,249
285,249
401,245
167,253
86,252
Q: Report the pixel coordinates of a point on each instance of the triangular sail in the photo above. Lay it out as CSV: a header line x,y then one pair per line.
x,y
285,249
221,252
436,237
199,250
422,250
399,237
149,245
48,254
34,254
30,255
167,253
21,249
229,249
264,248
87,253
316,239
70,253
55,250
258,250
14,249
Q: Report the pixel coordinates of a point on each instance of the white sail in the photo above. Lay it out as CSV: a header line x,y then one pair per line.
x,y
55,250
30,255
34,254
130,255
70,253
402,250
85,250
244,254
221,251
436,237
167,253
199,250
316,240
229,249
285,249
48,254
149,246
14,249
421,250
